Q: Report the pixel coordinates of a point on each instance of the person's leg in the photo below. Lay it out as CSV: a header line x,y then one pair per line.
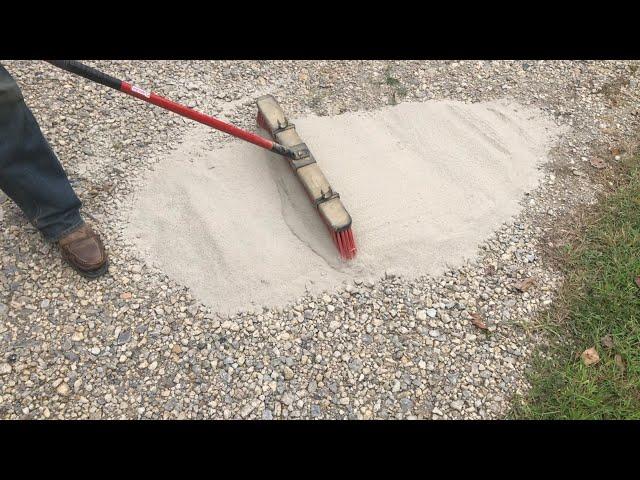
x,y
31,175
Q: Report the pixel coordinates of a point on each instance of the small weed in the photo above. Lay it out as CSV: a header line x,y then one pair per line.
x,y
396,85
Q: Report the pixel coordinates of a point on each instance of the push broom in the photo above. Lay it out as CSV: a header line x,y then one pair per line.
x,y
285,141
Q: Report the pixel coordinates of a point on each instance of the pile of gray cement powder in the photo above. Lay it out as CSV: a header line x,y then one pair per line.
x,y
425,183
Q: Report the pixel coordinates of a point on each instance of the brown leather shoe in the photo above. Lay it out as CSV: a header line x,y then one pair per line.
x,y
84,251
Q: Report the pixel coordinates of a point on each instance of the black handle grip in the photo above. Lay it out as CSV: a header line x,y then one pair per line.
x,y
87,72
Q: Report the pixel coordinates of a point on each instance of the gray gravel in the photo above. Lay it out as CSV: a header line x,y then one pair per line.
x,y
137,345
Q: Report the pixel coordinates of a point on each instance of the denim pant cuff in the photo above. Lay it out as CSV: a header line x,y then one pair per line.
x,y
70,222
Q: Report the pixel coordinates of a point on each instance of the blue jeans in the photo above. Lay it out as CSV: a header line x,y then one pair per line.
x,y
30,173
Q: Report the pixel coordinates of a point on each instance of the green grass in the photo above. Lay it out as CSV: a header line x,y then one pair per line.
x,y
600,297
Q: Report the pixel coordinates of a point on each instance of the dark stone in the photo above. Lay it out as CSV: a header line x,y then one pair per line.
x,y
71,356
124,337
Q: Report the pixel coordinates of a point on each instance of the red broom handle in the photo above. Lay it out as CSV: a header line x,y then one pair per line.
x,y
97,76
155,99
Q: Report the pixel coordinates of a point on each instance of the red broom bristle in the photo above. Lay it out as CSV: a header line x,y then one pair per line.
x,y
345,243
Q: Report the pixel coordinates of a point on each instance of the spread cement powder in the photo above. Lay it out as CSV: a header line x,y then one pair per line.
x,y
425,183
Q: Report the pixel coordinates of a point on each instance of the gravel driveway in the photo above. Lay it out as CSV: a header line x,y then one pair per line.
x,y
135,344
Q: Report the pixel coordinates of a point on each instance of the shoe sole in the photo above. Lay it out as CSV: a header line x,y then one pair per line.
x,y
92,274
